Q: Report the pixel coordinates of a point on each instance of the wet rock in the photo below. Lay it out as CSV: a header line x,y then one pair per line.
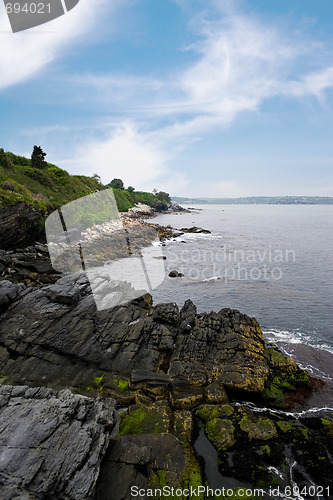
x,y
195,230
175,274
287,385
29,266
51,444
261,428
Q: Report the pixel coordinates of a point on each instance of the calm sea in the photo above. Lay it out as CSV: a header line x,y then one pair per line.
x,y
273,262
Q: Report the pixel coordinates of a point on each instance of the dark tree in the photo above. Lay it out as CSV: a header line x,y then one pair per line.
x,y
164,197
4,162
38,158
116,183
130,189
162,200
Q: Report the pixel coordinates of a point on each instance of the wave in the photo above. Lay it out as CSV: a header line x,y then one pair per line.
x,y
315,411
296,337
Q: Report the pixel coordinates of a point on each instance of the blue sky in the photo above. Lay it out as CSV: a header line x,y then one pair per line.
x,y
197,98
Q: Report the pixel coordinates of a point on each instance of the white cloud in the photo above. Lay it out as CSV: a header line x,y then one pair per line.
x,y
25,53
241,62
312,84
126,153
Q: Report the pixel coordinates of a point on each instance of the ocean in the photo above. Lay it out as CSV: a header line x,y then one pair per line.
x,y
273,262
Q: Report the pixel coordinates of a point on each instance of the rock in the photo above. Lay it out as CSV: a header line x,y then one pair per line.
x,y
166,313
287,384
20,225
139,376
183,425
155,418
31,266
51,444
185,395
195,230
187,316
261,428
221,433
256,447
54,336
8,291
230,344
215,393
139,460
64,291
175,274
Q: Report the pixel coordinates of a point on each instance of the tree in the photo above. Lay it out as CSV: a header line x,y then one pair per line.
x,y
4,162
116,184
130,189
164,197
162,200
97,178
38,158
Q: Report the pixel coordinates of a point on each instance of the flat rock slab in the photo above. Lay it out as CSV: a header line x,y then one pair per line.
x,y
51,444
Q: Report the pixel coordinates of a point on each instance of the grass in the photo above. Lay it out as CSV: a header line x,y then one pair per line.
x,y
46,189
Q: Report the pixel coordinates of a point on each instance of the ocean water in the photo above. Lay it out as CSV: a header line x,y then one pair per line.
x,y
273,262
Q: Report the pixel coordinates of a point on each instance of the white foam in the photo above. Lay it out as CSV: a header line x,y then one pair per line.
x,y
295,337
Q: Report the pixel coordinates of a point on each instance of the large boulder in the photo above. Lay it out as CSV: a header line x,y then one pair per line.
x,y
51,444
20,225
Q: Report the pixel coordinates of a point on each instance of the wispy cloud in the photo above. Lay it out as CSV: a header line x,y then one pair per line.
x,y
241,62
24,54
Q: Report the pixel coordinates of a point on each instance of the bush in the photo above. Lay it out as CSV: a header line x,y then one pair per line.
x,y
123,199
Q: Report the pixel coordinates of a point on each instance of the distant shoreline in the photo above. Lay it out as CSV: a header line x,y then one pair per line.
x,y
258,200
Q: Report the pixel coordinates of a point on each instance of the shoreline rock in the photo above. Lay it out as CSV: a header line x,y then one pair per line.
x,y
174,370
51,443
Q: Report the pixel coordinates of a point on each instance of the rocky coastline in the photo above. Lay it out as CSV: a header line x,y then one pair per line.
x,y
94,402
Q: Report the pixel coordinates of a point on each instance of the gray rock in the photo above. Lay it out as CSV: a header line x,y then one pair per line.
x,y
8,291
54,336
51,444
65,291
131,460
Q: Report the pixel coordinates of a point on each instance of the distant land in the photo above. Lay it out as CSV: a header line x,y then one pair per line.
x,y
263,200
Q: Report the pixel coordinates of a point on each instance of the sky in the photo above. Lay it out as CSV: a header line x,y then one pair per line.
x,y
214,98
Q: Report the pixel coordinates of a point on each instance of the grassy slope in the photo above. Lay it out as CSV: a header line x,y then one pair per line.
x,y
53,187
45,189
